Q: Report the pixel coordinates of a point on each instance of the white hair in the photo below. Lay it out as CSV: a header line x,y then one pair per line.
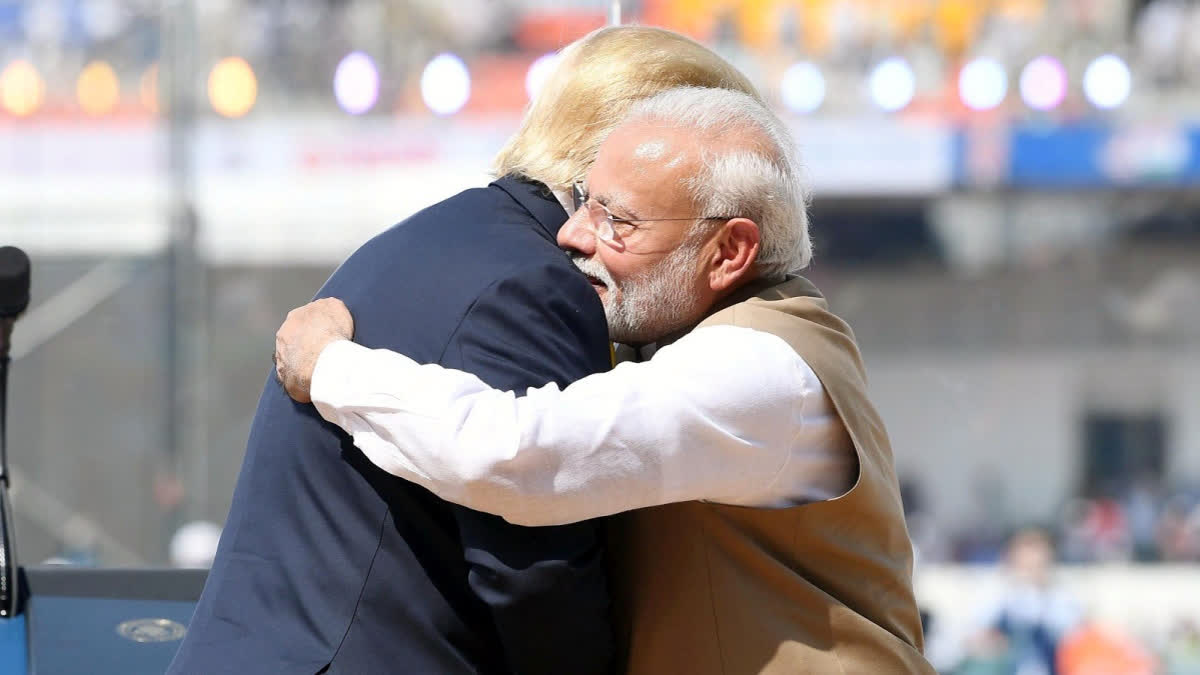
x,y
749,168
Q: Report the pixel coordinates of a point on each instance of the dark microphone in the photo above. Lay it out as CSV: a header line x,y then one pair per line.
x,y
14,298
14,292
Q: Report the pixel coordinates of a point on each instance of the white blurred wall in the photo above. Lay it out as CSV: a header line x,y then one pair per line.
x,y
958,421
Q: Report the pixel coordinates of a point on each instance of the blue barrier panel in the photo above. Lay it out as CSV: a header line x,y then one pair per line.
x,y
1057,157
13,645
1078,156
105,636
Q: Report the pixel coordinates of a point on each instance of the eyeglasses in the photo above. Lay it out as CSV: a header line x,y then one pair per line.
x,y
608,226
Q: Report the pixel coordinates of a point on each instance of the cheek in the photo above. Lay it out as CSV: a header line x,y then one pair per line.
x,y
616,264
623,265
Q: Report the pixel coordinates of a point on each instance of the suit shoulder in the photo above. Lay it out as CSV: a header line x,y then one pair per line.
x,y
533,324
544,279
477,218
465,225
547,286
472,206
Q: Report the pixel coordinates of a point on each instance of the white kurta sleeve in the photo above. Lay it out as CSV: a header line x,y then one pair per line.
x,y
725,414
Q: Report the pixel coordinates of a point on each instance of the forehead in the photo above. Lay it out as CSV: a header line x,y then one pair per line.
x,y
645,157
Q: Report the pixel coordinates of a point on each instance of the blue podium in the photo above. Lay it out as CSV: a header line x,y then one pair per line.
x,y
97,621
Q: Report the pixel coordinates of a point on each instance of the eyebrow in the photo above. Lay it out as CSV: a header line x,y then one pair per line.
x,y
614,204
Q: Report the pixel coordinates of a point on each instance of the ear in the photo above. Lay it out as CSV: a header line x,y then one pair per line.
x,y
734,255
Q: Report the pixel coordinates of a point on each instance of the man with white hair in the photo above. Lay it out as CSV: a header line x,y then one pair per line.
x,y
761,526
327,563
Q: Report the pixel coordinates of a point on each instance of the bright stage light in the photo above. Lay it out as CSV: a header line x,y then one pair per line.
x,y
893,84
803,88
232,87
21,89
539,70
1107,82
446,84
97,89
356,83
1044,83
982,84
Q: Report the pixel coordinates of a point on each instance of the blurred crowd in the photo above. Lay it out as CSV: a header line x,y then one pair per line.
x,y
1029,623
295,45
1148,525
1145,522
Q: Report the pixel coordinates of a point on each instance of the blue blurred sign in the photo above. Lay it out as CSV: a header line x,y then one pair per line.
x,y
1078,156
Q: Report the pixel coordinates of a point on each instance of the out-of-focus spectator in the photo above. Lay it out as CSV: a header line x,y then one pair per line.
x,y
1096,530
1109,528
1179,530
1076,544
1021,623
1182,653
1142,507
1160,31
1099,649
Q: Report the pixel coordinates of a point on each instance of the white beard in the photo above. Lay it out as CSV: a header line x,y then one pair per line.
x,y
653,304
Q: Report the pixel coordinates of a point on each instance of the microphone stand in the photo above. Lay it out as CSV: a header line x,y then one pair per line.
x,y
8,559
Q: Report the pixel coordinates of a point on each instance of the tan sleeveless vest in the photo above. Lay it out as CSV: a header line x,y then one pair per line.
x,y
703,588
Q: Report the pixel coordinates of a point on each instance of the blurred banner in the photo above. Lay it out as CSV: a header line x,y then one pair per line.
x,y
339,184
303,190
1082,156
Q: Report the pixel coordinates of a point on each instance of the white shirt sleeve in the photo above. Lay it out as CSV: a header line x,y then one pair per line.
x,y
725,414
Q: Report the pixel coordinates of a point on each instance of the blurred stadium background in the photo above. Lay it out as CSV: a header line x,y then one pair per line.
x,y
1007,210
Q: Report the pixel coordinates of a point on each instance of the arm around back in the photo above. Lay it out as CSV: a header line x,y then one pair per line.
x,y
546,586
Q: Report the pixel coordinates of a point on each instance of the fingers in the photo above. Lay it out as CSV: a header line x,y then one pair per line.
x,y
286,378
340,320
300,339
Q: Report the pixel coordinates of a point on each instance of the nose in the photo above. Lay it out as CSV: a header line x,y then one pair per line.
x,y
576,234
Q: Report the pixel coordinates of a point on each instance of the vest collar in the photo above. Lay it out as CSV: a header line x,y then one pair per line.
x,y
777,288
537,199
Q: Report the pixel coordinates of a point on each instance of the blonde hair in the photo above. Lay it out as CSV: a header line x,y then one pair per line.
x,y
597,79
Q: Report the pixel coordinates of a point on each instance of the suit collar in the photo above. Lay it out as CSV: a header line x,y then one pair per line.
x,y
537,199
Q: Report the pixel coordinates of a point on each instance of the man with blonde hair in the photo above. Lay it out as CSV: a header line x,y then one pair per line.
x,y
761,529
562,132
329,564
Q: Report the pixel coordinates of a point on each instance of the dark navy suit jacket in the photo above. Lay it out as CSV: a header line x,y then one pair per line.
x,y
328,561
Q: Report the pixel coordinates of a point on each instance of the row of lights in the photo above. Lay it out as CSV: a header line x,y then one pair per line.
x,y
982,84
446,85
232,88
23,91
445,82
